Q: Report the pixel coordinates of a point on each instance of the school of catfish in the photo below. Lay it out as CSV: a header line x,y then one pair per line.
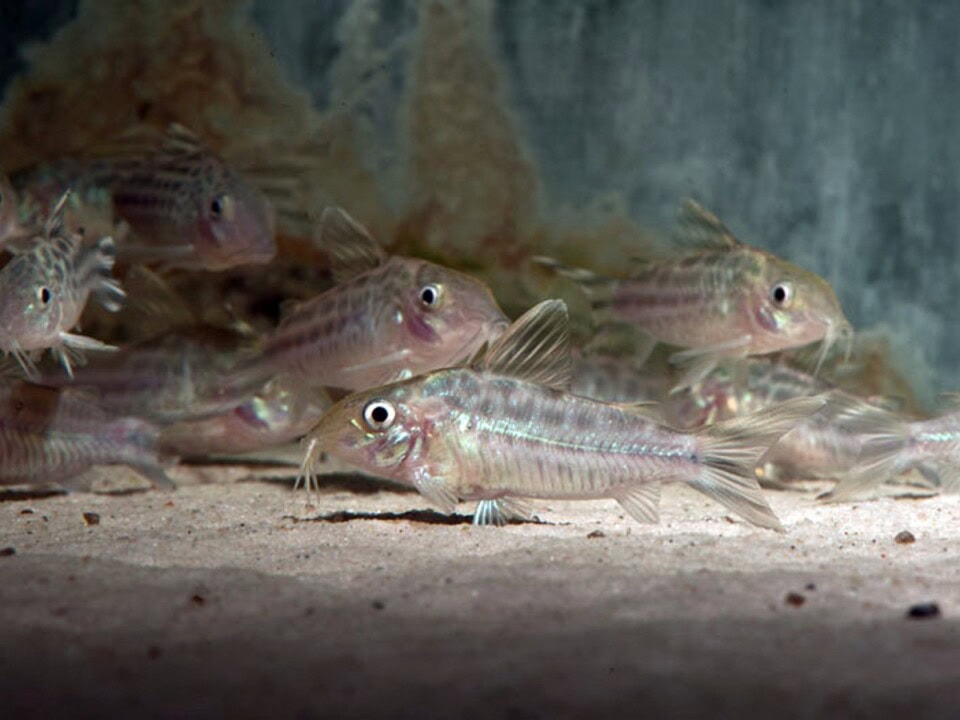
x,y
408,370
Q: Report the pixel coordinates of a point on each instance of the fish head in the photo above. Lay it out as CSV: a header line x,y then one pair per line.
x,y
382,431
794,307
235,223
447,316
31,304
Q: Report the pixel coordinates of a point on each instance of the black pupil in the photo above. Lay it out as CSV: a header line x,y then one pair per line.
x,y
44,296
379,414
779,293
428,295
215,206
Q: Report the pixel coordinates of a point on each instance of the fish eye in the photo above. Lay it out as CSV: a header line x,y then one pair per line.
x,y
221,208
430,295
782,293
379,414
43,295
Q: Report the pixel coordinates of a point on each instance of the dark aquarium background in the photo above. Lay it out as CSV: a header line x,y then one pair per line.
x,y
473,129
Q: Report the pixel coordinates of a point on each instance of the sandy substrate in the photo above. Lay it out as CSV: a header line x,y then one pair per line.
x,y
235,599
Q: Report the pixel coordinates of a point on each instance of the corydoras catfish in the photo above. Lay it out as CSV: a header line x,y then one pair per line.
x,y
387,317
932,446
43,292
185,373
49,435
279,413
183,204
718,297
826,444
504,429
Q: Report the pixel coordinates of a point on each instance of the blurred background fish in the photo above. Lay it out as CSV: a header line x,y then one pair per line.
x,y
50,436
167,197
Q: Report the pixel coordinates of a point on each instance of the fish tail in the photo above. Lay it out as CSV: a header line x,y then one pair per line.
x,y
886,452
599,289
728,454
96,267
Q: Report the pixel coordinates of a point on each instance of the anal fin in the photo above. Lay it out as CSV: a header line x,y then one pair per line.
x,y
642,502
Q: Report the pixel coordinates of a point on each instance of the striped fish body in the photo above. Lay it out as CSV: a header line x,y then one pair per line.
x,y
399,319
183,204
180,375
49,435
495,436
718,297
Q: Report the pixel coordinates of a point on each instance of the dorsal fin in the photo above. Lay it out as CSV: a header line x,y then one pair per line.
x,y
699,229
535,348
351,248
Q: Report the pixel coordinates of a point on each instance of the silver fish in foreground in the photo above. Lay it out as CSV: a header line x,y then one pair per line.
x,y
505,429
49,436
387,318
44,291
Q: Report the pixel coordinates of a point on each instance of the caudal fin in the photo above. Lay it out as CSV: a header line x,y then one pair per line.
x,y
729,452
883,455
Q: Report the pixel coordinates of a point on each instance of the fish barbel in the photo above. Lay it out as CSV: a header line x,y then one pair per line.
x,y
183,204
49,435
388,317
505,429
43,292
720,298
931,446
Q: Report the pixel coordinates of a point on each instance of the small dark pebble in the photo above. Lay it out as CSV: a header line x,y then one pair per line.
x,y
8,551
904,537
378,605
794,599
810,587
90,518
198,600
923,611
26,511
596,534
